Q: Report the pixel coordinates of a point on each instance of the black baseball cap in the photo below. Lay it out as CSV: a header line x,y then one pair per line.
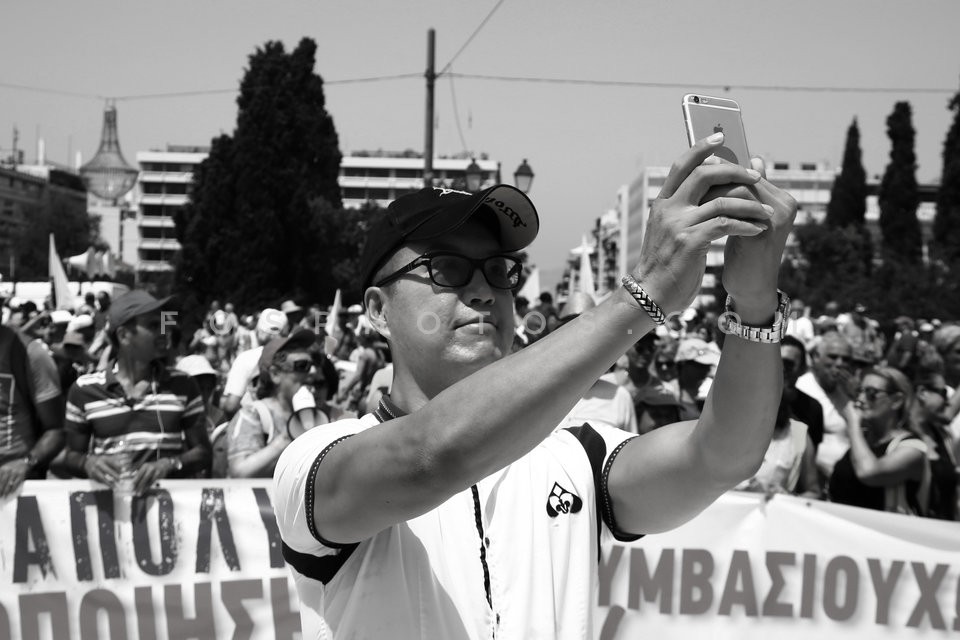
x,y
301,339
132,304
433,212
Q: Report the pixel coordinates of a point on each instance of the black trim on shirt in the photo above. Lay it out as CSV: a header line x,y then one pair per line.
x,y
618,533
596,449
322,568
309,497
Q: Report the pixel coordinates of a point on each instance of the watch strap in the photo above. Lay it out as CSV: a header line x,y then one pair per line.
x,y
730,323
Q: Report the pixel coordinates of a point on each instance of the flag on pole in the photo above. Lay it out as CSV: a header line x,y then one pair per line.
x,y
332,326
62,296
585,283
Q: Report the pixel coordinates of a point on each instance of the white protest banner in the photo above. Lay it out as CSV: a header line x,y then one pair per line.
x,y
190,559
785,568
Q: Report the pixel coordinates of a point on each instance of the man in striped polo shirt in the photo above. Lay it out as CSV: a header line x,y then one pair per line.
x,y
137,421
458,509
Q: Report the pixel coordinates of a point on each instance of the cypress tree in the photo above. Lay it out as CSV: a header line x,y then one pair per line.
x,y
899,196
253,232
946,224
848,196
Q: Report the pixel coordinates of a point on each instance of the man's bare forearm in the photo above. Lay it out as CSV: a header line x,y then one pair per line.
x,y
734,430
489,419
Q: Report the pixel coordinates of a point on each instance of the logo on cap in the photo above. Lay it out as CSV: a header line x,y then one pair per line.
x,y
444,191
507,211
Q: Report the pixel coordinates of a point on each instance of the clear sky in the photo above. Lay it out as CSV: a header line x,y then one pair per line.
x,y
582,140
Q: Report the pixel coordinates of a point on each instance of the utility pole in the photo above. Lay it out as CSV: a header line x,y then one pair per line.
x,y
431,76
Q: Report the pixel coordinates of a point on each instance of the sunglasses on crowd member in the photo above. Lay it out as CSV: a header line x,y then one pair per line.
x,y
297,366
452,270
940,391
871,393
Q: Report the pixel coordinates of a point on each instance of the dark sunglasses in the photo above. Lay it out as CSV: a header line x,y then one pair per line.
x,y
448,269
297,366
790,366
871,393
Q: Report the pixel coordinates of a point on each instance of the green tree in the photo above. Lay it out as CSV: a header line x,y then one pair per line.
x,y
254,231
832,266
946,224
899,196
848,197
73,229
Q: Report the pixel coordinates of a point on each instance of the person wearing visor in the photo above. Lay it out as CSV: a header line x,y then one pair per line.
x,y
457,508
283,410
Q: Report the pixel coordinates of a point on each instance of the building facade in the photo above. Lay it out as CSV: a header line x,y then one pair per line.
x,y
163,188
25,190
809,183
381,177
149,242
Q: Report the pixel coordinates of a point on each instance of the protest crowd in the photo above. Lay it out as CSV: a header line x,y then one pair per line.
x,y
113,391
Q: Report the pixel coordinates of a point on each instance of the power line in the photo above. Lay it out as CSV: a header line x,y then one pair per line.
x,y
681,85
186,94
182,94
456,114
72,94
501,78
472,36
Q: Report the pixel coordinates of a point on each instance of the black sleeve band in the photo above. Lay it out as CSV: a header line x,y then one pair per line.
x,y
309,495
606,504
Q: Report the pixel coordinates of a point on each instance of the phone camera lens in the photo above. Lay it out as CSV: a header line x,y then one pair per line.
x,y
696,99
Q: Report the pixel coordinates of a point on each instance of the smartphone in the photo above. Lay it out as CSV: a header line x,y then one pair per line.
x,y
706,115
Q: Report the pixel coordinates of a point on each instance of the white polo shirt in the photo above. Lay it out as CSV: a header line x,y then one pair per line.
x,y
513,557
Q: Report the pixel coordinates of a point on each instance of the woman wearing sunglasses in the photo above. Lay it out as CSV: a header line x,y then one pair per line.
x,y
886,466
284,408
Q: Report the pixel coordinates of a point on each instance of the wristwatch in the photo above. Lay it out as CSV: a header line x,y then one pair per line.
x,y
729,323
176,464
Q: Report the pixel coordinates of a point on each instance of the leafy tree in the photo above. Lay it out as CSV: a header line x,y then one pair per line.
x,y
73,229
832,266
946,224
338,266
899,196
848,197
260,220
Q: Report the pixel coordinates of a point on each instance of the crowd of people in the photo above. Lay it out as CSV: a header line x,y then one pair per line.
x,y
869,417
466,463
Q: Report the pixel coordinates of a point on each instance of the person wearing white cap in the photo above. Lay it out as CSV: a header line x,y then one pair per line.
x,y
198,367
695,360
271,325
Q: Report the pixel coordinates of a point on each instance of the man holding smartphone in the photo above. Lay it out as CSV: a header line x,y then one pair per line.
x,y
457,509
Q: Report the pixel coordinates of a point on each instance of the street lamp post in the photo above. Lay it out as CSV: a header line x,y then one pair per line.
x,y
523,177
474,176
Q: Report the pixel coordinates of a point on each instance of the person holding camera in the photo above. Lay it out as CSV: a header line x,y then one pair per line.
x,y
457,508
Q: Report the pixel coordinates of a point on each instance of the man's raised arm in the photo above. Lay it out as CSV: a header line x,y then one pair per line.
x,y
669,475
460,434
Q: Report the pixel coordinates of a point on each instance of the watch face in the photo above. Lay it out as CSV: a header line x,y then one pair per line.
x,y
724,322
